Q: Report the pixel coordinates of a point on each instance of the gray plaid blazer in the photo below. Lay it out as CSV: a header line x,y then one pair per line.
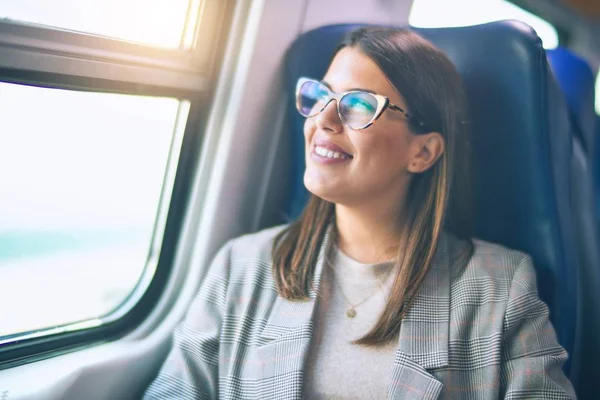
x,y
478,331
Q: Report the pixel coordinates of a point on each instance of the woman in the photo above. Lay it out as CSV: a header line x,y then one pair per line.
x,y
376,291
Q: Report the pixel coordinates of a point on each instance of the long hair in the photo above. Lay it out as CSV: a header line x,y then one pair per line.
x,y
437,199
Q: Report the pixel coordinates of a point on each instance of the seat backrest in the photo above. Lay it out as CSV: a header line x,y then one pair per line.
x,y
576,80
521,147
596,162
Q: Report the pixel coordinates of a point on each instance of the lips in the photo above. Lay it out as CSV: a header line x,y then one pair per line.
x,y
332,148
323,152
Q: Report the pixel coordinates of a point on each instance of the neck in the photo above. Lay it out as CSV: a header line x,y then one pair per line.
x,y
368,236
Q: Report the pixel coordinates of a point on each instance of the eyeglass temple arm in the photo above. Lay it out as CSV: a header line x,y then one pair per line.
x,y
396,108
407,115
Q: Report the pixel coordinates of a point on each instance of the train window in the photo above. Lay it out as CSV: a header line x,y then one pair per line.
x,y
440,13
153,22
82,176
103,106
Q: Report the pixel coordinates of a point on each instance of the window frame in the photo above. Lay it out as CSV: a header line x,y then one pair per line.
x,y
55,58
100,63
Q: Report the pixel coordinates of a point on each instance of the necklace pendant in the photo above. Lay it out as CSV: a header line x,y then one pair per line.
x,y
351,313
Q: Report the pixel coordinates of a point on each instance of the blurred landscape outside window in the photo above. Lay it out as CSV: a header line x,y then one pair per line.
x,y
82,172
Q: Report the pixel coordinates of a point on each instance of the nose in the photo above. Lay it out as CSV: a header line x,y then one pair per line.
x,y
328,120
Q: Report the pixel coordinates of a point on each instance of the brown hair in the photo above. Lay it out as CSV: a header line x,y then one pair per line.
x,y
433,92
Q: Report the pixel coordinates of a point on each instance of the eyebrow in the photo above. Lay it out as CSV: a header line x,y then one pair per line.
x,y
348,90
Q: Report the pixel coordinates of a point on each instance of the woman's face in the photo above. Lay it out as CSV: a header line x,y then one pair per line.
x,y
379,159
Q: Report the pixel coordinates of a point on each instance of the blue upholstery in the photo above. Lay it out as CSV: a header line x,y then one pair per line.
x,y
596,161
577,82
521,143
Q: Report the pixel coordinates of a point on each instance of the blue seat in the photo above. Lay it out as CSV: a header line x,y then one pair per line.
x,y
596,161
576,80
521,149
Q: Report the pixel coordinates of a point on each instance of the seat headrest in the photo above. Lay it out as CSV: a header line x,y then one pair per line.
x,y
576,80
520,140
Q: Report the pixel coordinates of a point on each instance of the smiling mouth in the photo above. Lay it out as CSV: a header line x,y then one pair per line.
x,y
323,152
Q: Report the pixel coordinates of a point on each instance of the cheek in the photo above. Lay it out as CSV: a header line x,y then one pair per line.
x,y
386,152
309,130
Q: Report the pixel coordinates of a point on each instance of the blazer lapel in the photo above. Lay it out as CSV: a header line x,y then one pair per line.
x,y
423,338
287,336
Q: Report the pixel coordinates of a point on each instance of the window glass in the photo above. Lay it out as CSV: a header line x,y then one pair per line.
x,y
440,13
154,22
81,176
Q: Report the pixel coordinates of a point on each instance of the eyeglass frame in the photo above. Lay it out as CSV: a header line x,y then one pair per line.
x,y
383,103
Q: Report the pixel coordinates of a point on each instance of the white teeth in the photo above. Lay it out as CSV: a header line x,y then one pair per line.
x,y
323,152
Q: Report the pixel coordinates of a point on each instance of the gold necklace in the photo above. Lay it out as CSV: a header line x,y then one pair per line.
x,y
351,312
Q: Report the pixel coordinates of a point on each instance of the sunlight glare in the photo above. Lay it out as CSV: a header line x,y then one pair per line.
x,y
158,23
444,13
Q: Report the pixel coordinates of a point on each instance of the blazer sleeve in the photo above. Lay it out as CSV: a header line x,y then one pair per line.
x,y
532,359
191,370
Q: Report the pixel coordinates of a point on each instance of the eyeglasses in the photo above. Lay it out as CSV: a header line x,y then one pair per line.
x,y
357,109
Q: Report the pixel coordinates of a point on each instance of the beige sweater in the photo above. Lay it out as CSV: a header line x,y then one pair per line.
x,y
336,368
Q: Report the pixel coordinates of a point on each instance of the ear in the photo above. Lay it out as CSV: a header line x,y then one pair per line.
x,y
426,150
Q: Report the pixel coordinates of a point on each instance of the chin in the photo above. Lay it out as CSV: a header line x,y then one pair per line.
x,y
322,190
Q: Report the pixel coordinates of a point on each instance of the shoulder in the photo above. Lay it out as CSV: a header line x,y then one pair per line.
x,y
250,257
496,260
492,290
258,244
491,270
242,264
248,253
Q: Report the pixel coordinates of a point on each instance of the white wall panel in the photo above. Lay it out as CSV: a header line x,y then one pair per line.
x,y
385,12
